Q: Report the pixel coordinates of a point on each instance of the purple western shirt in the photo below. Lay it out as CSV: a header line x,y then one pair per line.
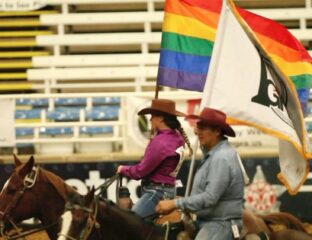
x,y
160,158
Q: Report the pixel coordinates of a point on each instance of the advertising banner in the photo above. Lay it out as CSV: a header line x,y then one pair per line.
x,y
247,138
7,130
20,5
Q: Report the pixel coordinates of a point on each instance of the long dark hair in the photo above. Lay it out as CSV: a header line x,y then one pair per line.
x,y
173,122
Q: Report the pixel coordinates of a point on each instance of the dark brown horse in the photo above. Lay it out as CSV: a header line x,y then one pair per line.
x,y
258,227
33,192
93,218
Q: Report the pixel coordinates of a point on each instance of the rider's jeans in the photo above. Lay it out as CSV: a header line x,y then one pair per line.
x,y
151,195
215,230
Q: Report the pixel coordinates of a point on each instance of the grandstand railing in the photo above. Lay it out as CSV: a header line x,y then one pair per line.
x,y
66,130
40,118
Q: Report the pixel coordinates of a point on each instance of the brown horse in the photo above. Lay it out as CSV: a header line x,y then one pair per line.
x,y
93,218
289,234
285,234
258,227
33,192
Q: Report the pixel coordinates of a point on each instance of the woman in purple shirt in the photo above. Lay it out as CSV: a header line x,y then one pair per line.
x,y
162,158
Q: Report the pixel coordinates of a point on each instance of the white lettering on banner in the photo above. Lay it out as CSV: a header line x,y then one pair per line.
x,y
96,180
7,130
20,5
79,185
252,138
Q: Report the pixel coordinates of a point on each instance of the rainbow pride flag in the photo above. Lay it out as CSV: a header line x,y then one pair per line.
x,y
285,51
189,31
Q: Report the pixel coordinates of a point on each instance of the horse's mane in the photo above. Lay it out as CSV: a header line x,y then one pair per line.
x,y
58,183
287,219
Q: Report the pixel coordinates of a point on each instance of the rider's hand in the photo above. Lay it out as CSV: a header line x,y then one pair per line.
x,y
165,206
119,169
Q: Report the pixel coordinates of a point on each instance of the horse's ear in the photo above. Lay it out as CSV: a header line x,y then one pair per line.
x,y
16,160
89,197
26,169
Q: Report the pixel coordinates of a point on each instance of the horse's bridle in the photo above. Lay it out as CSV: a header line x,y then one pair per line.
x,y
28,182
91,221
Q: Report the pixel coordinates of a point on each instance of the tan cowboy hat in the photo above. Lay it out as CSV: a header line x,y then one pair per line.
x,y
215,118
162,106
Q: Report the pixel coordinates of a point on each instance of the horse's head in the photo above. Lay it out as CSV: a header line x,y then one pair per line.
x,y
15,201
93,217
33,192
84,213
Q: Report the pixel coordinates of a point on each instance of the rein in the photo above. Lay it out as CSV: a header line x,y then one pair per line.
x,y
103,187
2,225
29,232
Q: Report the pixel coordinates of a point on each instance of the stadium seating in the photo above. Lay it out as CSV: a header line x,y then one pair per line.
x,y
67,124
96,48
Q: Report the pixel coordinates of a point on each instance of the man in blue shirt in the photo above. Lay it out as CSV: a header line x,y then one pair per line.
x,y
218,187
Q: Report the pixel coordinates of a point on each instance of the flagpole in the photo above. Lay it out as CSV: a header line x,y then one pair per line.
x,y
156,90
203,103
191,171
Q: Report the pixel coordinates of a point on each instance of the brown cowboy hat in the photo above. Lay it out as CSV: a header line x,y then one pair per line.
x,y
215,118
162,106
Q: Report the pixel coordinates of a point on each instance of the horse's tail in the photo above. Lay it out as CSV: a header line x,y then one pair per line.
x,y
287,219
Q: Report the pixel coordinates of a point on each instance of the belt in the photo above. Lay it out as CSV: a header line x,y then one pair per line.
x,y
150,183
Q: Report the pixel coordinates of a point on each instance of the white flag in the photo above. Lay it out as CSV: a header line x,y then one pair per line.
x,y
244,84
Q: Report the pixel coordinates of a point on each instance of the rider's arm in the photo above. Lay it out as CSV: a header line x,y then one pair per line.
x,y
154,155
210,182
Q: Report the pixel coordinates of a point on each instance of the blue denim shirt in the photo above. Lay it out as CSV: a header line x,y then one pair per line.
x,y
218,187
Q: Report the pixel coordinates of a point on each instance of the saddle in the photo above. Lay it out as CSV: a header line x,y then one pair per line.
x,y
172,217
